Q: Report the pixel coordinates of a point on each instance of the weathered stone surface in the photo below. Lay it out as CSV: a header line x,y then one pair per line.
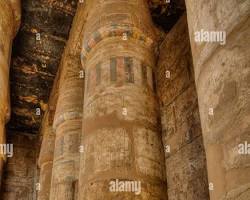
x,y
184,151
186,175
45,180
68,121
222,80
67,125
20,170
45,161
9,24
121,137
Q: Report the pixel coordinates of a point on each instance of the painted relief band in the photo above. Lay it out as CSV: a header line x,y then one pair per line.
x,y
114,30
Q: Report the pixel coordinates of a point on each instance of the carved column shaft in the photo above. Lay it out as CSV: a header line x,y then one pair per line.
x,y
120,132
9,24
222,74
68,127
46,159
182,136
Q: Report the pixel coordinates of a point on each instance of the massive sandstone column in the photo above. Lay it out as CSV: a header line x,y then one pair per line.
x,y
68,117
222,75
121,136
68,128
184,151
10,15
45,161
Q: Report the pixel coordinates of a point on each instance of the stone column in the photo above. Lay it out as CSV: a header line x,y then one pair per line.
x,y
121,137
9,23
45,161
222,75
186,168
68,127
